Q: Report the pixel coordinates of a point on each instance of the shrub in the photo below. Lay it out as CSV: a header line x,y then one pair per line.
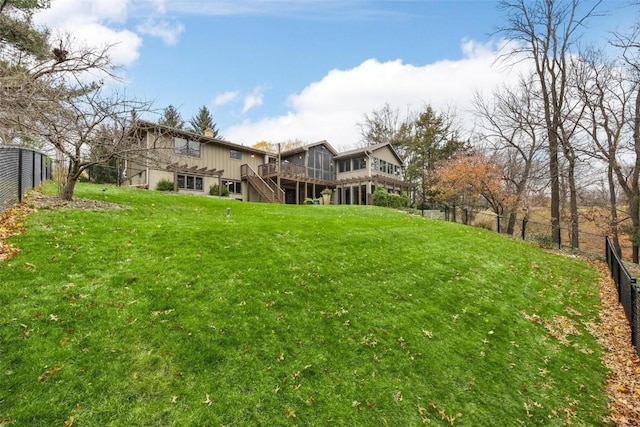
x,y
214,190
381,197
308,201
164,185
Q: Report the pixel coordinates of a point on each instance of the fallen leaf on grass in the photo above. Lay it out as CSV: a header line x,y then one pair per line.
x,y
11,225
72,417
207,400
49,373
448,418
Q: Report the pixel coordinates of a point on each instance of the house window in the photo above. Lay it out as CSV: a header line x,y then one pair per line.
x,y
319,163
374,163
383,166
186,147
190,182
235,187
344,165
235,154
359,163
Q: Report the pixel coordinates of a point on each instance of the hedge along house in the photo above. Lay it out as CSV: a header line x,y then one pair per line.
x,y
196,162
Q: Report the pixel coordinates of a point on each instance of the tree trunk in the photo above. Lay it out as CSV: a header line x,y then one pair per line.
x,y
66,192
634,194
613,207
573,206
511,223
67,189
554,173
634,213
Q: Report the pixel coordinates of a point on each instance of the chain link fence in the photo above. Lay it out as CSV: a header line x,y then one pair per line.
x,y
20,170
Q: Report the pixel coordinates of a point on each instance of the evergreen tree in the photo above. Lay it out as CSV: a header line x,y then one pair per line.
x,y
203,121
18,35
428,139
171,117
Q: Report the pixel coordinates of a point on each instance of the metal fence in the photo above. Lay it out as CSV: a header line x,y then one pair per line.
x,y
628,292
20,170
538,232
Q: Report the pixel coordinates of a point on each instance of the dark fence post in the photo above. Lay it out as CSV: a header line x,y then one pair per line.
x,y
498,217
634,312
32,175
20,165
524,227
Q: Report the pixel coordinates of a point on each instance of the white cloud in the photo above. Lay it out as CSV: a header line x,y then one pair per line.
x,y
225,98
160,6
64,12
332,107
97,23
255,99
168,32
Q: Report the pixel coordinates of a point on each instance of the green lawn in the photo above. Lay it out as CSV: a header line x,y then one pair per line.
x,y
170,313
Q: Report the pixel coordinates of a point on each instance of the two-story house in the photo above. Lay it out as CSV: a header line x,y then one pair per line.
x,y
196,162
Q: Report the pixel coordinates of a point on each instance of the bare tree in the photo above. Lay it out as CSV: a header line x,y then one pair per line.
x,y
510,125
63,102
546,32
381,126
83,123
629,44
606,93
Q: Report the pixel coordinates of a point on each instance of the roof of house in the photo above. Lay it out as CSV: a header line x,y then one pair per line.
x,y
369,149
145,125
306,147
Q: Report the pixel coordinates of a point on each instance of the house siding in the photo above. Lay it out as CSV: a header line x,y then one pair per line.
x,y
213,155
320,161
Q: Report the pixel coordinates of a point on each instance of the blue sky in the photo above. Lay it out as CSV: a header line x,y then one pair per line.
x,y
281,70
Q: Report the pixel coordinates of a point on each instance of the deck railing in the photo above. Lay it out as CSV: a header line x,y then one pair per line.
x,y
269,169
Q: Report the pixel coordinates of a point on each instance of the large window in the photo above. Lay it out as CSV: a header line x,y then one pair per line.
x,y
383,166
319,163
235,187
190,182
344,165
359,163
186,147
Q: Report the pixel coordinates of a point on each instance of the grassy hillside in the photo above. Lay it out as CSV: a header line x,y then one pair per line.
x,y
171,313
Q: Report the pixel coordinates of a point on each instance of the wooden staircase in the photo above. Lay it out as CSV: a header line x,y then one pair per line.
x,y
267,193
